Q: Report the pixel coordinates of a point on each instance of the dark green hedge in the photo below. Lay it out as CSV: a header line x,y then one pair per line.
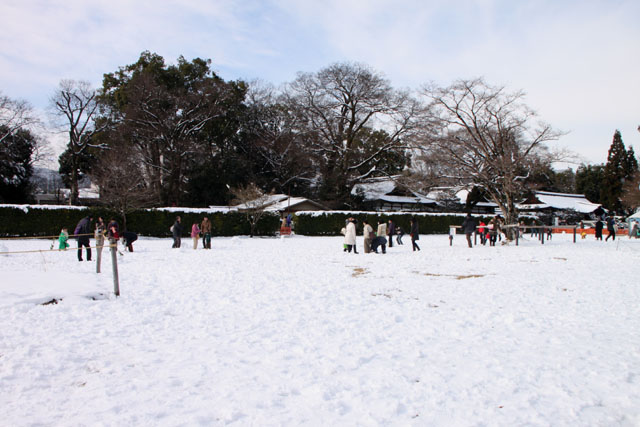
x,y
33,220
30,220
330,223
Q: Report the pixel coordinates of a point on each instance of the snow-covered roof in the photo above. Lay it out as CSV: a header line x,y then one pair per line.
x,y
379,189
292,202
265,201
278,202
374,188
449,192
83,193
405,199
577,202
635,216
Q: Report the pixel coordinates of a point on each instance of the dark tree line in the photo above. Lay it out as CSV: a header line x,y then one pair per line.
x,y
159,135
193,136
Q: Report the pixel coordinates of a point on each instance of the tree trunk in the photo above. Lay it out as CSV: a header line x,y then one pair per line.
x,y
73,196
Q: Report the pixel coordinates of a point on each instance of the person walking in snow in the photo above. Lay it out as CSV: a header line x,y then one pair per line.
x,y
494,230
611,228
399,233
382,229
391,231
367,232
415,234
195,234
469,227
599,227
82,232
205,229
481,231
176,232
350,236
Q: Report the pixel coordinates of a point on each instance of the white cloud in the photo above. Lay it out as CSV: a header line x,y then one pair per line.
x,y
577,61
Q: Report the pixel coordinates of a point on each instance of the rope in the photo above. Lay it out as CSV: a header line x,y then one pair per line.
x,y
44,237
56,250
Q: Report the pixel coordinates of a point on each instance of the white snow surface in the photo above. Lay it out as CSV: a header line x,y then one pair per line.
x,y
294,331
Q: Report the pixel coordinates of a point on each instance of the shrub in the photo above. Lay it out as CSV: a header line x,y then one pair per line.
x,y
36,220
330,223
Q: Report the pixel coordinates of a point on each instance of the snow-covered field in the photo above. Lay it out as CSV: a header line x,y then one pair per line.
x,y
293,331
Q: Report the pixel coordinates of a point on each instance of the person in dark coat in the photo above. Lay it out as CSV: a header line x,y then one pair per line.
x,y
611,228
128,237
176,231
415,234
469,227
83,232
599,227
391,231
379,241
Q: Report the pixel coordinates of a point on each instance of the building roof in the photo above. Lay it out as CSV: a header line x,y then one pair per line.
x,y
380,189
561,201
278,202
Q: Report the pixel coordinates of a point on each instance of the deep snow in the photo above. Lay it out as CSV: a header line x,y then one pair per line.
x,y
293,331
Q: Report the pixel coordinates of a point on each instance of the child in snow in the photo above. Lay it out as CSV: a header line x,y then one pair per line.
x,y
400,233
64,236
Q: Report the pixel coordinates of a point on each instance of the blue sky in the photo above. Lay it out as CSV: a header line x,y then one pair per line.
x,y
578,61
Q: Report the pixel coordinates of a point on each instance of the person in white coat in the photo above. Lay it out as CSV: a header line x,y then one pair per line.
x,y
350,236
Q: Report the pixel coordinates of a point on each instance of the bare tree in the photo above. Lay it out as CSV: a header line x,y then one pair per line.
x,y
278,150
15,115
353,121
252,201
484,136
75,106
121,181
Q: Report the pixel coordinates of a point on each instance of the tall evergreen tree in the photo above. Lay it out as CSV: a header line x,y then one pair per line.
x,y
16,156
615,173
631,165
175,116
589,181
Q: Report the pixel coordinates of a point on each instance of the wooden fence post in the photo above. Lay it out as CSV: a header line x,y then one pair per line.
x,y
114,266
99,246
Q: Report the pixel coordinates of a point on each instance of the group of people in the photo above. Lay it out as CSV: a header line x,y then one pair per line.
x,y
611,228
197,231
491,232
383,236
83,233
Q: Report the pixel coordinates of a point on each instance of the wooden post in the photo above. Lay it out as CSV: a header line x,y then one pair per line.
x,y
99,245
114,267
